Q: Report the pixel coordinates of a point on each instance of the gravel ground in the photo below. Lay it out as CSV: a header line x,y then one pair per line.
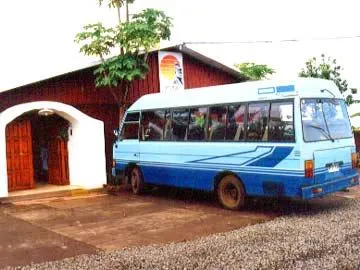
x,y
320,237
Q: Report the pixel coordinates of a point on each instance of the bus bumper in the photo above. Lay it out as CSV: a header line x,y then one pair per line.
x,y
322,189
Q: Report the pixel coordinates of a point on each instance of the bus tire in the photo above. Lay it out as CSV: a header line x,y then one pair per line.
x,y
136,180
230,192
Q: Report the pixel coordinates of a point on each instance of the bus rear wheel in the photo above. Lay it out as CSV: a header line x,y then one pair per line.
x,y
136,180
230,192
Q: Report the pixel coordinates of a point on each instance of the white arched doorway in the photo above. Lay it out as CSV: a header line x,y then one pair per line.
x,y
86,144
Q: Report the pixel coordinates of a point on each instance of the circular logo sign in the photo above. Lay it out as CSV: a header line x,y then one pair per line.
x,y
168,66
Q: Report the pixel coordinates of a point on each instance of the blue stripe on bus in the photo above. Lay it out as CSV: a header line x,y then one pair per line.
x,y
278,155
270,148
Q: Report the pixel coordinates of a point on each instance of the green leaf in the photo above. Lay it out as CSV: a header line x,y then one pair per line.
x,y
328,69
254,71
133,39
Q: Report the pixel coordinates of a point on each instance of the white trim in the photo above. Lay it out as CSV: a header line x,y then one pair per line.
x,y
86,145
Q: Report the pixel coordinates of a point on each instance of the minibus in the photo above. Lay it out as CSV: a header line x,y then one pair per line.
x,y
262,138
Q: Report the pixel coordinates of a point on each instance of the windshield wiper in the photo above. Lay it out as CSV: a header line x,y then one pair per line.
x,y
324,132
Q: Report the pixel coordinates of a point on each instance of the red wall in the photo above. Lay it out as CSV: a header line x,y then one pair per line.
x,y
198,74
78,89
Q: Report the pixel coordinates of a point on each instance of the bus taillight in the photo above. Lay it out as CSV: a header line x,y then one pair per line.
x,y
354,160
113,163
309,168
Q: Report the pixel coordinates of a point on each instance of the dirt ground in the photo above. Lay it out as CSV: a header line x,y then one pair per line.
x,y
59,227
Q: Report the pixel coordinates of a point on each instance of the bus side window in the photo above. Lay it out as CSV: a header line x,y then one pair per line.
x,y
217,123
281,124
130,128
258,122
130,131
235,130
197,123
180,121
152,124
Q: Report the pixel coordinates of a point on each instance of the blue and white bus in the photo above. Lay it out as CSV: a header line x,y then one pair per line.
x,y
264,138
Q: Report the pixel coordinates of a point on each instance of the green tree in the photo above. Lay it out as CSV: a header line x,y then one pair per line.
x,y
132,38
328,69
254,72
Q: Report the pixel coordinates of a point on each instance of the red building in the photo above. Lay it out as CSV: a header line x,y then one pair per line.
x,y
52,131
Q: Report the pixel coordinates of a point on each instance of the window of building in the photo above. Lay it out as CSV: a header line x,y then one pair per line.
x,y
179,124
152,125
197,123
281,123
257,128
217,123
235,129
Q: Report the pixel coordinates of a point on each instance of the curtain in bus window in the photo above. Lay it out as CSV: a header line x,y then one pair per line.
x,y
152,125
235,129
217,123
197,130
281,123
258,122
180,120
167,126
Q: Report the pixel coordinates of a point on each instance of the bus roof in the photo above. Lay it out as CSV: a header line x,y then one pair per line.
x,y
239,92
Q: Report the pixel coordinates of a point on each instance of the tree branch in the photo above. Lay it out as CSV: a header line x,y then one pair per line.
x,y
115,96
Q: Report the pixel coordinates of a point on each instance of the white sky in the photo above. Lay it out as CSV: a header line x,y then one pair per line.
x,y
37,36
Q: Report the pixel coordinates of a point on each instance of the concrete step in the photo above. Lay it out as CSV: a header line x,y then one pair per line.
x,y
48,194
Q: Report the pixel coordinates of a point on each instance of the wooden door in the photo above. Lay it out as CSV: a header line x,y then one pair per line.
x,y
19,155
58,162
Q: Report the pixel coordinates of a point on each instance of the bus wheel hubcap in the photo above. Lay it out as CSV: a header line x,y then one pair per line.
x,y
231,194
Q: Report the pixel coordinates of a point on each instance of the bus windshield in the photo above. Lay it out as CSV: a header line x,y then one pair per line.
x,y
324,119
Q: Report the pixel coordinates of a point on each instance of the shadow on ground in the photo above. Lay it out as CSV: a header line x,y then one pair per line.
x,y
265,205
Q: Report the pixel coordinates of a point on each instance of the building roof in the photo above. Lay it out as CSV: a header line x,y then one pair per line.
x,y
230,93
179,48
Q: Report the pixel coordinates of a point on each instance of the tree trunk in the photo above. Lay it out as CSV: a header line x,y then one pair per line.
x,y
127,11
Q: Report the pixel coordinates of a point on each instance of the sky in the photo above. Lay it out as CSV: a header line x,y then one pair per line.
x,y
37,37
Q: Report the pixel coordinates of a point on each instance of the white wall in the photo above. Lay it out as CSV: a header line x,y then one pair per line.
x,y
86,145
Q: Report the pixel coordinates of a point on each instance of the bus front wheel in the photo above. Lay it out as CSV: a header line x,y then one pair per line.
x,y
230,192
136,180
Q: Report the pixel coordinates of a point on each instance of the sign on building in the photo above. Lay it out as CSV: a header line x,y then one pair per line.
x,y
171,71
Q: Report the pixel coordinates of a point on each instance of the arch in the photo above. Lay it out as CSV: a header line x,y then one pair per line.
x,y
86,145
